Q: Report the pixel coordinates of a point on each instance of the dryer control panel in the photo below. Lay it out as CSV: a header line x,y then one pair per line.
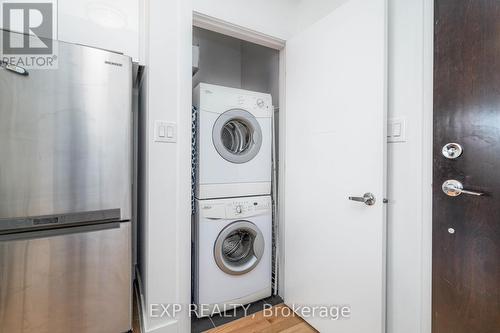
x,y
218,99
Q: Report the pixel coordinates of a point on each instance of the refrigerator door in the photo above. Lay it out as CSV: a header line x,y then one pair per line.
x,y
66,136
66,280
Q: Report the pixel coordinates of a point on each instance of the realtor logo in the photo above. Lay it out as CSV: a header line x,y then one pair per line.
x,y
33,19
28,33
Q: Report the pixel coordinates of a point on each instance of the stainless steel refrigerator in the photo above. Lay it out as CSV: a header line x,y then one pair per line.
x,y
65,194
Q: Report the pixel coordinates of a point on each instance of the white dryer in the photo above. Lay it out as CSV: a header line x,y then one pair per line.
x,y
232,259
234,142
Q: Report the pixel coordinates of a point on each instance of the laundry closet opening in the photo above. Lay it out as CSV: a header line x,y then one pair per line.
x,y
236,92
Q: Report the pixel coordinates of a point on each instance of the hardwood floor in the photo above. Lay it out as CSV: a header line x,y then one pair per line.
x,y
282,320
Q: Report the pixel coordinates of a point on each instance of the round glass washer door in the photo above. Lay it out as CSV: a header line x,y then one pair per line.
x,y
239,248
237,136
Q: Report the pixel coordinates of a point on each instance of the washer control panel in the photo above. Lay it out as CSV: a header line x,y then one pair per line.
x,y
244,207
235,208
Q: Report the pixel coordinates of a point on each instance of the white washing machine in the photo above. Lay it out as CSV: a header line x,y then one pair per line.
x,y
232,259
234,142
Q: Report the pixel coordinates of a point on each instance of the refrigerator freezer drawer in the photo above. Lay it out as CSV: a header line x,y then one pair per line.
x,y
67,280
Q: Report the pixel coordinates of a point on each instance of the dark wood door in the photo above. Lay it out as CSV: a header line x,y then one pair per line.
x,y
466,228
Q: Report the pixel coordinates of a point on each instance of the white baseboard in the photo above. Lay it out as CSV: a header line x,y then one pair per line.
x,y
172,327
168,327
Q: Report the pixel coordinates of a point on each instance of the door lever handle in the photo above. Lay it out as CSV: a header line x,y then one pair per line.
x,y
367,198
454,188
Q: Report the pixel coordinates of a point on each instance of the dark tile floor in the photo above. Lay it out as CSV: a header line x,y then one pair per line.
x,y
199,325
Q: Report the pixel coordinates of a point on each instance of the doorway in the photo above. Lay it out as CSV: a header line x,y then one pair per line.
x,y
466,171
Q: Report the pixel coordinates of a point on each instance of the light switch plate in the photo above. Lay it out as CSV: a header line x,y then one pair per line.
x,y
165,131
396,130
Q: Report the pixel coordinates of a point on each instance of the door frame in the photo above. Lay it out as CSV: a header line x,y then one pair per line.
x,y
213,24
427,166
226,28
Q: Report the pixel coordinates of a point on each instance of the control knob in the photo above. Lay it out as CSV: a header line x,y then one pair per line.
x,y
260,103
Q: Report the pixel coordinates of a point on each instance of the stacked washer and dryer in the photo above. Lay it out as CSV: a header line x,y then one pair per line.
x,y
232,187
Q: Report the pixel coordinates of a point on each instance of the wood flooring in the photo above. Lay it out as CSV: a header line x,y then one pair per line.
x,y
283,320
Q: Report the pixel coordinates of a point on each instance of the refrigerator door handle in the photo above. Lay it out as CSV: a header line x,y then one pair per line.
x,y
59,231
13,68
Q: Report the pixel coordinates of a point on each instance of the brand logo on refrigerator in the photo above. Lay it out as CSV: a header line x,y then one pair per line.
x,y
113,63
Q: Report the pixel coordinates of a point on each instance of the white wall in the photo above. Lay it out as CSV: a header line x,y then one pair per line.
x,y
276,18
220,59
307,12
166,171
112,25
260,70
268,17
109,24
235,63
409,167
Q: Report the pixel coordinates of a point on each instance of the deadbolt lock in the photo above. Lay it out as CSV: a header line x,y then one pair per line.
x,y
452,150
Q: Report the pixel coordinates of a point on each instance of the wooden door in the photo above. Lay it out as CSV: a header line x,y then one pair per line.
x,y
335,148
466,228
